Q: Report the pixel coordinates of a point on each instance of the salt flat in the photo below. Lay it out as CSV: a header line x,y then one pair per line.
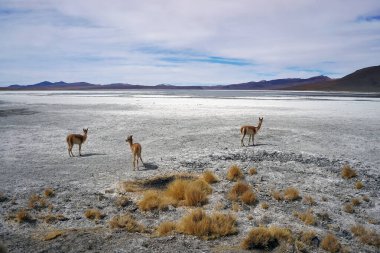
x,y
304,141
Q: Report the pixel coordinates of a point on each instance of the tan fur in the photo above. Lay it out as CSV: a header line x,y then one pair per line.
x,y
251,131
79,139
136,152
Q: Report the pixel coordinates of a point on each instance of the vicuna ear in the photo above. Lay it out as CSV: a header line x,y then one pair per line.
x,y
84,130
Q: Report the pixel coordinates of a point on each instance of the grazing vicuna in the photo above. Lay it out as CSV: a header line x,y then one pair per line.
x,y
136,152
251,131
76,139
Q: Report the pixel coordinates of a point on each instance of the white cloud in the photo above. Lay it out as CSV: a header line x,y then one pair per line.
x,y
101,41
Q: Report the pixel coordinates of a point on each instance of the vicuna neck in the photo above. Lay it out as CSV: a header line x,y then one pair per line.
x,y
258,127
130,143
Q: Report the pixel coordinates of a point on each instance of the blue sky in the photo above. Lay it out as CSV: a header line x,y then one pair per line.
x,y
185,42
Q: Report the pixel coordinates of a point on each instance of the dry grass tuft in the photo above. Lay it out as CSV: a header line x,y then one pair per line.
x,y
235,207
22,216
365,198
264,205
366,236
202,185
126,222
243,192
250,217
234,173
348,172
122,201
348,208
37,202
277,195
198,223
209,177
307,217
52,218
308,200
248,197
355,201
359,185
194,196
49,192
166,228
291,194
331,244
93,214
265,238
307,237
154,200
237,190
156,183
176,189
53,234
252,171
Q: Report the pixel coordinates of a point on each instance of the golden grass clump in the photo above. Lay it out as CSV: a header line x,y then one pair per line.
x,y
248,197
366,236
235,207
348,208
264,205
356,201
37,202
307,217
176,189
194,196
53,234
52,218
22,216
122,201
347,172
209,177
202,185
243,192
331,244
291,194
277,195
309,200
93,214
166,228
234,173
154,200
265,238
307,237
252,171
359,185
49,192
126,222
198,223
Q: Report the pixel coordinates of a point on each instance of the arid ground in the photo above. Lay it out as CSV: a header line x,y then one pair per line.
x,y
304,142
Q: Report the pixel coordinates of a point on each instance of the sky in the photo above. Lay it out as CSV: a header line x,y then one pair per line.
x,y
185,42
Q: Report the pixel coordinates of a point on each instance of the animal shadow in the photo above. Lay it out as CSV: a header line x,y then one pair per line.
x,y
150,166
91,154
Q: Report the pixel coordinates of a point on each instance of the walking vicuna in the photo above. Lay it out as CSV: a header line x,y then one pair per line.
x,y
136,152
251,131
76,139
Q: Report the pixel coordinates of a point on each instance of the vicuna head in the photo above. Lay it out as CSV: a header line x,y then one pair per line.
x,y
261,119
85,130
129,139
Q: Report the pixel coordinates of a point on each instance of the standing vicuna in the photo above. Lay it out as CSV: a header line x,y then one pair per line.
x,y
136,152
76,139
251,131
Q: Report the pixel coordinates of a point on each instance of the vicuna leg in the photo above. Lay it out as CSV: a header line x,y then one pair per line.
x,y
69,149
80,147
242,140
253,140
142,161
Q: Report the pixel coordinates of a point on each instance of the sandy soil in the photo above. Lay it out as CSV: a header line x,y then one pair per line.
x,y
303,143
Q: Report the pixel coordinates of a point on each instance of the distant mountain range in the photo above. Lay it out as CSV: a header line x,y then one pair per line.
x,y
363,80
